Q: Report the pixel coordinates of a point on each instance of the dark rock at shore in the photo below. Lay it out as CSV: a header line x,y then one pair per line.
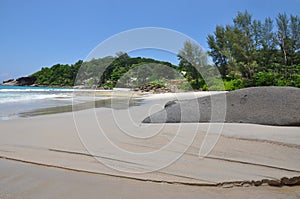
x,y
7,81
26,81
258,105
10,82
257,183
22,81
157,88
290,181
274,183
285,181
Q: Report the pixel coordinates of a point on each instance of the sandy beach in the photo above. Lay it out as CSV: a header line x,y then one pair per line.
x,y
66,155
19,180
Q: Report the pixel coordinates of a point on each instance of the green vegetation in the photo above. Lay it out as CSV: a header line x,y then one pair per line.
x,y
134,72
58,75
122,71
255,53
247,53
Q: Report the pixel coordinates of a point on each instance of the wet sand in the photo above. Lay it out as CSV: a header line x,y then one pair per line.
x,y
20,180
56,155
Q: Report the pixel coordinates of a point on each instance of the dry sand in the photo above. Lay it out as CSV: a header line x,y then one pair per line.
x,y
52,150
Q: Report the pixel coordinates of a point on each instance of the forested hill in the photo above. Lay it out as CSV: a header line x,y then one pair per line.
x,y
248,52
105,71
57,75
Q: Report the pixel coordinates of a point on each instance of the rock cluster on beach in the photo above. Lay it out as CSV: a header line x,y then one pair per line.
x,y
293,181
22,81
156,88
258,105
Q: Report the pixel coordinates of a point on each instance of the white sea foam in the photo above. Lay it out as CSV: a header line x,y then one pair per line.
x,y
15,100
36,90
29,97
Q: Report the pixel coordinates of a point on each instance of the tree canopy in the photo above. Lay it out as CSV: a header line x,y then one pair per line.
x,y
248,52
106,71
259,53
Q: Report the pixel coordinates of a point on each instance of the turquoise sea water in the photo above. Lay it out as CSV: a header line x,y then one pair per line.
x,y
18,99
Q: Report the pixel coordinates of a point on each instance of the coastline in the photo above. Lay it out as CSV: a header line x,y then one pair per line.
x,y
126,100
51,143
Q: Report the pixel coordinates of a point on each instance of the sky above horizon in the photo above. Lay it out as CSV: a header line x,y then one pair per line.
x,y
40,33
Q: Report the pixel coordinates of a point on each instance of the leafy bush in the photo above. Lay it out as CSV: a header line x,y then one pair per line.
x,y
215,84
159,83
296,78
264,79
186,86
233,84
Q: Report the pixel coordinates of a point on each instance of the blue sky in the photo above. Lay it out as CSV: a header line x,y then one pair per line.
x,y
38,33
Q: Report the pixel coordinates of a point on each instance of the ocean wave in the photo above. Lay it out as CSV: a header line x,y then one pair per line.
x,y
36,90
24,98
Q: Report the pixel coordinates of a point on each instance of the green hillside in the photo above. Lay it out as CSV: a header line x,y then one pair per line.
x,y
247,53
107,71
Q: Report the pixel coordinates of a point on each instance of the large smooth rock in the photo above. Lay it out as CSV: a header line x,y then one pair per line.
x,y
10,82
22,81
258,105
26,81
7,81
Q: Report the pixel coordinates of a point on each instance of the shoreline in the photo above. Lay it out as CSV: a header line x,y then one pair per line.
x,y
242,158
127,98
